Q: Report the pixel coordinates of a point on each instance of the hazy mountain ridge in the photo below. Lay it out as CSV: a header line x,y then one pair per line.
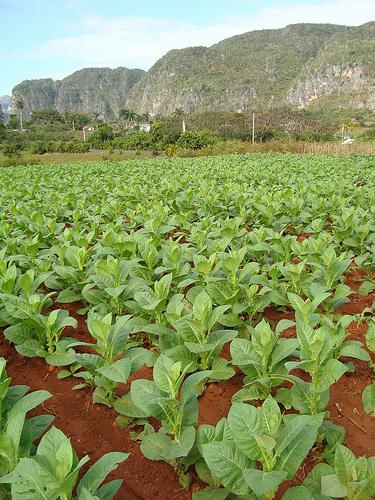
x,y
296,65
5,102
101,90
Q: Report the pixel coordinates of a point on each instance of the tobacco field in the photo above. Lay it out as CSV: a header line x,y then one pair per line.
x,y
188,329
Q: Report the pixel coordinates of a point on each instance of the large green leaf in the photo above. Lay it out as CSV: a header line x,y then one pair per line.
x,y
368,399
100,470
263,483
295,441
245,425
227,464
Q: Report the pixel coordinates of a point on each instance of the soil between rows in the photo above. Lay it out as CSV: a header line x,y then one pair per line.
x,y
93,430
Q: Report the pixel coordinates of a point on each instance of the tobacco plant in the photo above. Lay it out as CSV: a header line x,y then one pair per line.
x,y
114,360
258,448
262,359
171,399
53,472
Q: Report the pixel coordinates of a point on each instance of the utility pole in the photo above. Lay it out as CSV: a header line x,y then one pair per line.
x,y
73,126
253,136
183,126
84,134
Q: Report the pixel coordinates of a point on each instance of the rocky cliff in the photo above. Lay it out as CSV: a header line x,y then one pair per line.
x,y
299,65
5,102
99,90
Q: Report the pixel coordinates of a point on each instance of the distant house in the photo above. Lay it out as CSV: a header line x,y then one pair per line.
x,y
88,128
145,127
347,140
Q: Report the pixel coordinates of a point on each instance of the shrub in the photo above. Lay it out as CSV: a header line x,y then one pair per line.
x,y
102,136
38,147
367,136
196,140
12,150
135,141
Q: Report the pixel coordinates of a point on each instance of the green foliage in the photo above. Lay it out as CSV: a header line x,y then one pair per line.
x,y
196,140
103,135
254,436
53,472
346,477
12,150
177,263
45,117
368,135
17,433
134,141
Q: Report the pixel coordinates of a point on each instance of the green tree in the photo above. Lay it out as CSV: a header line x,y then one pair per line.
x,y
95,118
128,116
45,117
20,105
104,134
1,114
79,119
12,122
178,112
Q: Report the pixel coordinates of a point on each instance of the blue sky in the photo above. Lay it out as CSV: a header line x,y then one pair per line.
x,y
40,38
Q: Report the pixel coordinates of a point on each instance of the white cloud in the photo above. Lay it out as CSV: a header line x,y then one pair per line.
x,y
140,41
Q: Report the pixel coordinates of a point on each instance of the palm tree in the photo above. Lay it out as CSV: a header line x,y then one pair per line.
x,y
20,104
128,115
178,112
95,117
145,117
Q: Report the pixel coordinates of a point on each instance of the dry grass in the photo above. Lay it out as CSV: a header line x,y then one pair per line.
x,y
221,148
325,148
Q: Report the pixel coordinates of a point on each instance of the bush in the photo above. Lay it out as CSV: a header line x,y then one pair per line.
x,y
196,140
41,147
135,141
367,136
38,147
102,136
12,150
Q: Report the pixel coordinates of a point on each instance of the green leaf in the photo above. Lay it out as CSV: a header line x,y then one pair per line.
x,y
226,463
270,417
159,446
190,384
221,369
144,393
55,448
298,493
370,336
118,371
166,373
100,470
344,464
31,481
331,372
241,351
331,487
126,406
67,297
353,349
368,399
295,441
115,292
211,493
263,482
202,307
245,425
